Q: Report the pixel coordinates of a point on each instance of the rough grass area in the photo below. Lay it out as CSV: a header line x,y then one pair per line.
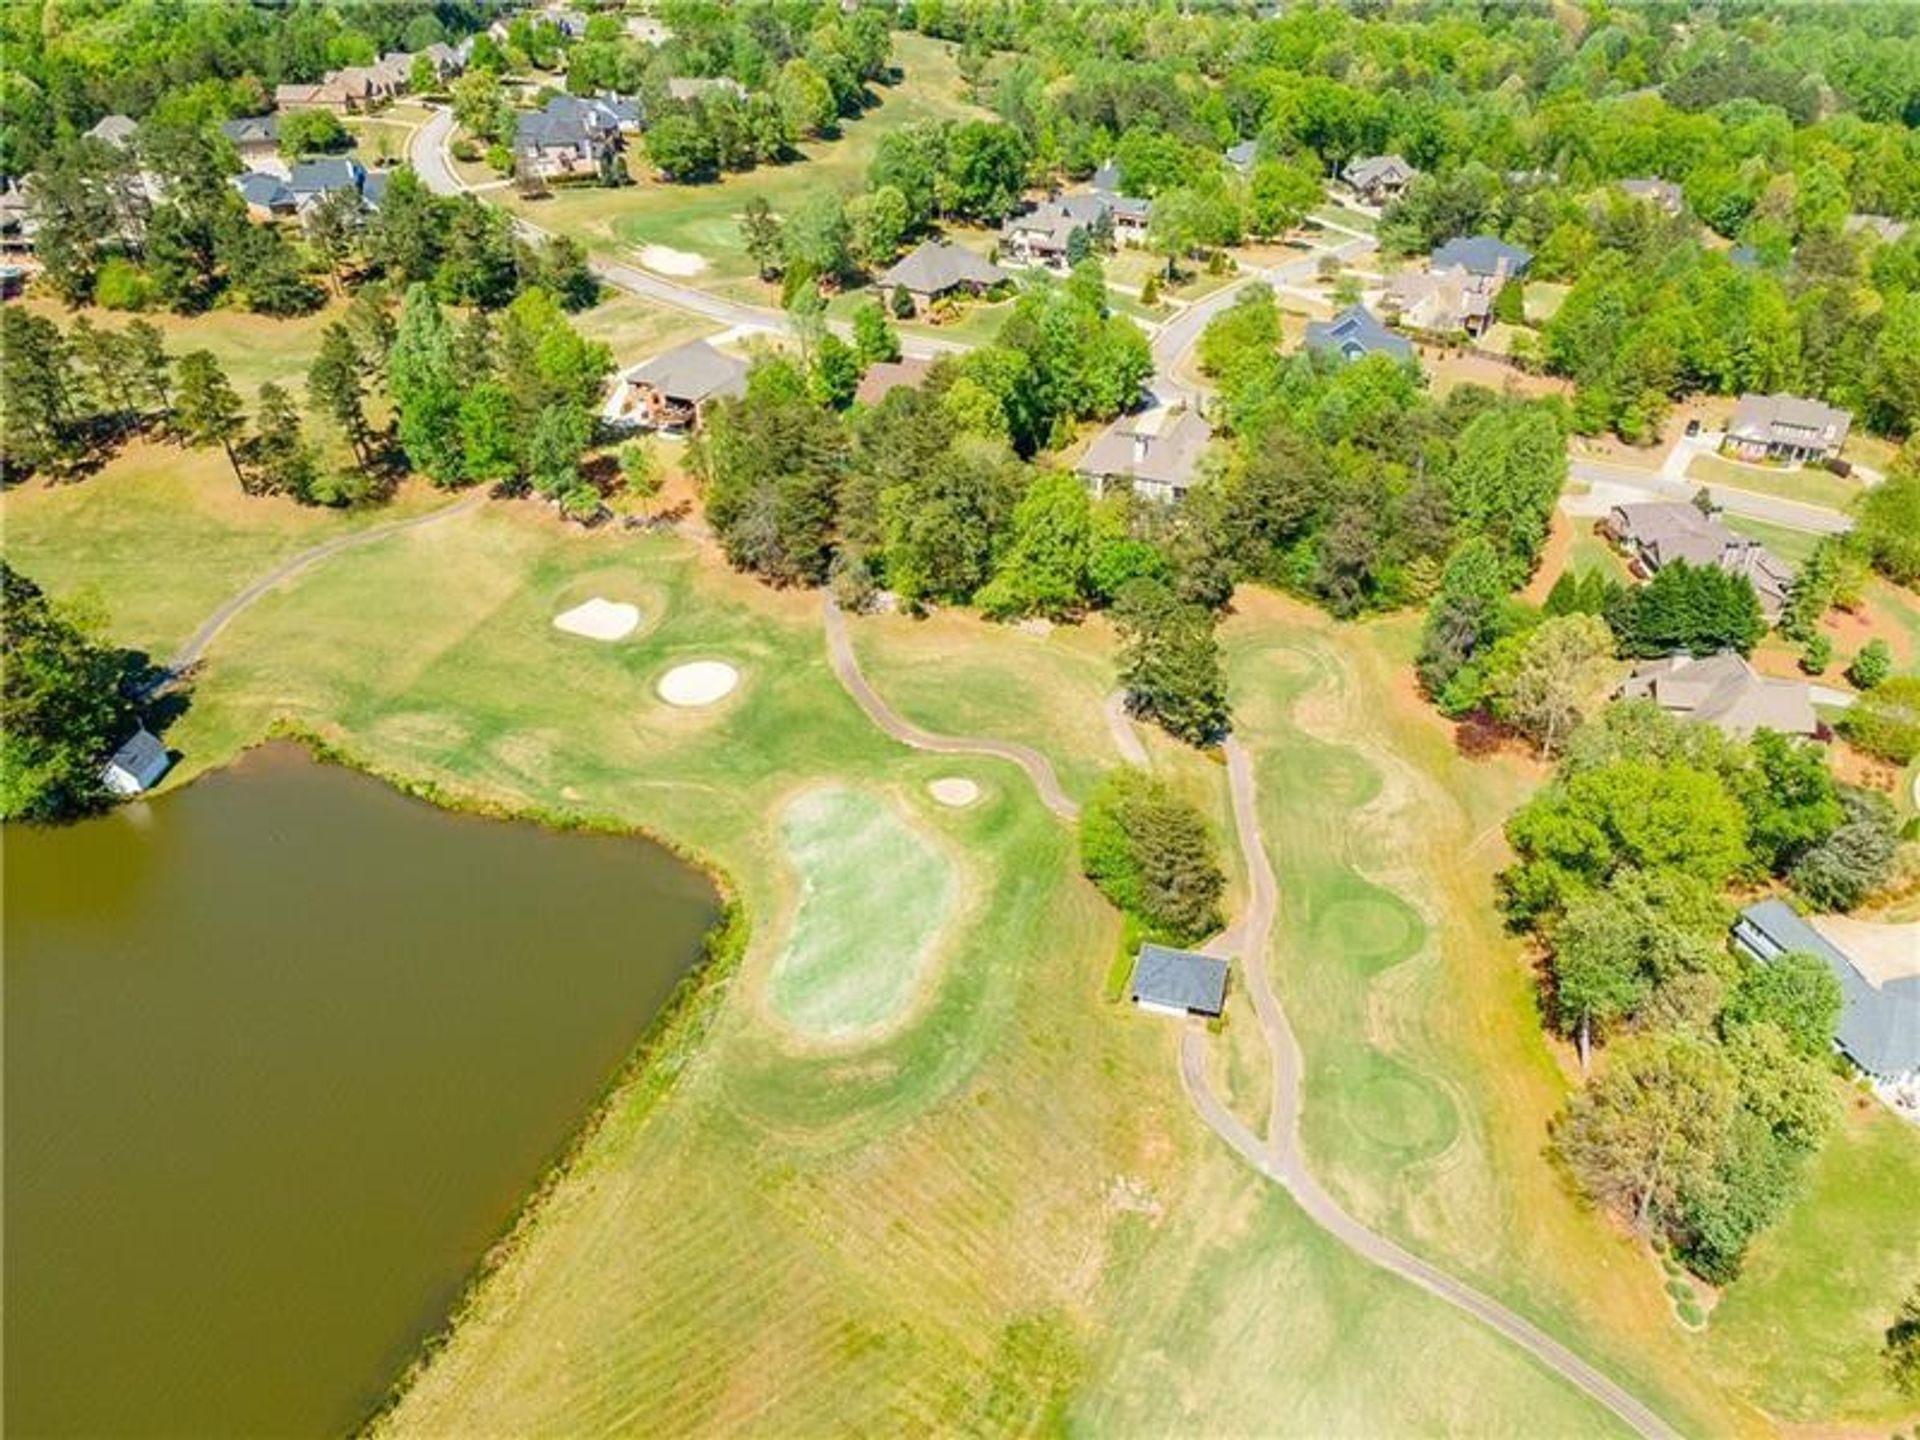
x,y
252,349
163,534
874,896
1800,1330
1809,484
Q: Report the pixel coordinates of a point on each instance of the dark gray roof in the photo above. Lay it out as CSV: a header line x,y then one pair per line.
x,y
1369,170
252,129
935,267
692,372
374,188
1482,255
1106,180
269,192
1353,333
320,177
1879,1025
1179,979
143,756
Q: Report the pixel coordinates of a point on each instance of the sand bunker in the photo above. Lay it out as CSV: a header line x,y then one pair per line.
x,y
667,261
954,791
700,683
599,619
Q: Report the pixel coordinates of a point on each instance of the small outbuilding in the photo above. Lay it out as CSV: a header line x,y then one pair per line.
x,y
137,765
1178,982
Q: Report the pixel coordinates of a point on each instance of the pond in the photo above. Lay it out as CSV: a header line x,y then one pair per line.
x,y
285,1051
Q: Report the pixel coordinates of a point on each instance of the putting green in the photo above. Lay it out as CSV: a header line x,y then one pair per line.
x,y
874,896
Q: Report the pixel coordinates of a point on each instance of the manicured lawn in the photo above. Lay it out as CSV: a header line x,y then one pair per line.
x,y
1800,1330
1809,484
1792,546
636,328
704,219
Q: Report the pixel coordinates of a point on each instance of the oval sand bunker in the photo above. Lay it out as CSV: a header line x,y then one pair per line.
x,y
599,619
954,791
700,683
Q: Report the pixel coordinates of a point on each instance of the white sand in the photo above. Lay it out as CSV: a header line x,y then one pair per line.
x,y
954,791
599,619
701,682
668,261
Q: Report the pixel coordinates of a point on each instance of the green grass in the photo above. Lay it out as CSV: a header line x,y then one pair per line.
x,y
1791,545
874,897
1543,300
1800,1330
252,349
704,219
1809,484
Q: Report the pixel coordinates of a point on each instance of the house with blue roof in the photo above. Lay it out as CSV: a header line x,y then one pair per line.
x,y
1354,334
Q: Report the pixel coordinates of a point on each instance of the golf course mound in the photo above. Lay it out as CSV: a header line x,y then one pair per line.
x,y
953,791
1373,928
598,619
874,896
697,683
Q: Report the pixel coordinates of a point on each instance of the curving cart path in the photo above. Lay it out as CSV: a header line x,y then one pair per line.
x,y
846,665
189,654
1279,1156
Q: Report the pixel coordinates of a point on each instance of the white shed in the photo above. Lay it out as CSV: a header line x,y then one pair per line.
x,y
136,765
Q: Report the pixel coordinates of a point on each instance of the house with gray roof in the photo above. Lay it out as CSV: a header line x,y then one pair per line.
x,y
935,268
1724,691
1663,194
573,135
1658,532
1042,236
254,138
115,130
1377,179
311,181
1879,1027
267,196
1447,301
137,765
1178,982
1486,255
1130,213
1353,334
668,391
1785,427
1155,453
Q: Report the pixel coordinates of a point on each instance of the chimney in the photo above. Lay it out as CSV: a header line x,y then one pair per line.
x,y
1139,448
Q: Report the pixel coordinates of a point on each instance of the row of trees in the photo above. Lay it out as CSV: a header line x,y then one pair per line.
x,y
1717,1085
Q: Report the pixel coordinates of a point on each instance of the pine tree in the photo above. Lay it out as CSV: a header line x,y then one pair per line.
x,y
207,409
336,390
149,368
282,462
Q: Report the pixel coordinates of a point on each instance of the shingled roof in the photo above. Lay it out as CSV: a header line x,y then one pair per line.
x,y
1879,1027
1726,692
1354,332
1182,980
935,267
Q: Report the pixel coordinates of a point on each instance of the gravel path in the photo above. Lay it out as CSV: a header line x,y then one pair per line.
x,y
1126,739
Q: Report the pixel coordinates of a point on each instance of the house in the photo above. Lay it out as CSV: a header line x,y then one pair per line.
x,y
1155,453
1377,179
368,85
883,377
570,23
137,765
1042,236
267,196
254,138
1130,213
686,88
447,60
1661,193
329,94
1879,1026
1451,300
311,181
1178,982
1882,227
115,130
1483,255
1724,691
666,392
18,223
935,268
1785,427
573,135
1659,532
1354,333
1242,156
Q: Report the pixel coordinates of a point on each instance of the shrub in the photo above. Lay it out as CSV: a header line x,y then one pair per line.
x,y
500,159
1872,665
465,149
902,302
1150,291
639,469
1691,1313
1816,655
1152,855
122,285
1886,720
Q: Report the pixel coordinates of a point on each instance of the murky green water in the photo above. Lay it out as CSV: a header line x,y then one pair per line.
x,y
284,1052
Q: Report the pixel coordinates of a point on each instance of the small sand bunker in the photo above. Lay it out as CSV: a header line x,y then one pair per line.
x,y
954,791
700,683
667,261
599,619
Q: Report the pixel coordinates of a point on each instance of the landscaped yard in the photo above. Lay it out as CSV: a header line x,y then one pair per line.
x,y
1809,484
1791,545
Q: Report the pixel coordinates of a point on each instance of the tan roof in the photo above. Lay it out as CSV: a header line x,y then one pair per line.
x,y
1789,420
885,376
1726,692
1162,447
